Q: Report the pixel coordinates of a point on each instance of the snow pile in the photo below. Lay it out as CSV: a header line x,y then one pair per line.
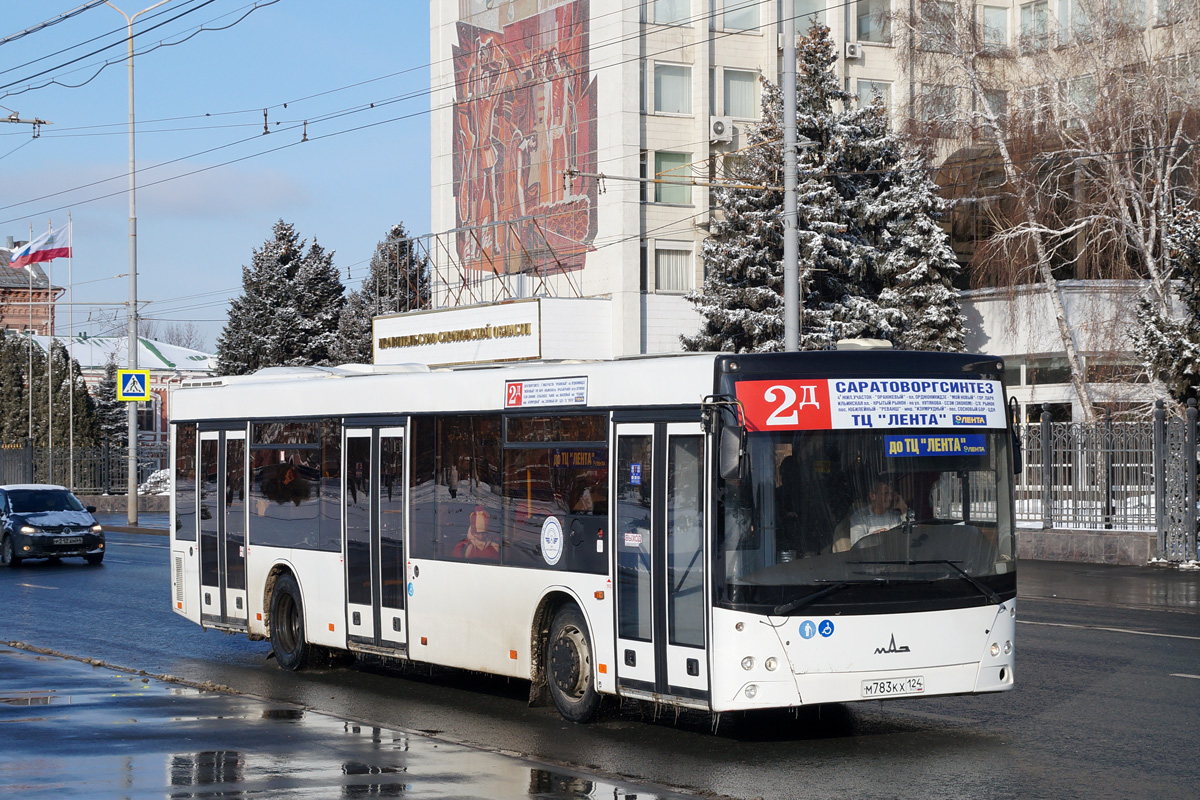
x,y
159,482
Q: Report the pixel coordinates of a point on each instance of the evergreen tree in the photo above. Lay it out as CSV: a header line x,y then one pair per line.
x,y
111,415
23,373
14,401
1170,346
289,308
873,260
398,281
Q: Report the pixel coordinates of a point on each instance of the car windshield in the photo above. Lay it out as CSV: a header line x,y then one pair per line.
x,y
37,501
853,517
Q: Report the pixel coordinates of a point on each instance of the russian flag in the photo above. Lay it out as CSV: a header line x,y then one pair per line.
x,y
48,246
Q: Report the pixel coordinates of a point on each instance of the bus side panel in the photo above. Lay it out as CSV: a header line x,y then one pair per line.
x,y
321,585
480,617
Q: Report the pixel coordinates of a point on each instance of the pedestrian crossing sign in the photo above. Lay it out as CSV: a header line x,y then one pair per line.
x,y
133,384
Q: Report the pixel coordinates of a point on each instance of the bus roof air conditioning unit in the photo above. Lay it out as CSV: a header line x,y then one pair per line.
x,y
854,50
720,129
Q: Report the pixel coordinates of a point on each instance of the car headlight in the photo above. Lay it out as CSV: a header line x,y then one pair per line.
x,y
97,528
28,529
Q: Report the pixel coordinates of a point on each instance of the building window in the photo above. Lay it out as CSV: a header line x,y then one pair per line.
x,y
1035,26
1080,94
997,103
740,15
741,93
993,27
672,268
147,416
672,12
1074,21
873,22
673,167
937,25
869,91
938,106
806,12
672,89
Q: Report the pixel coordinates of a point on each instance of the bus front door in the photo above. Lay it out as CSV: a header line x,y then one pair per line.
x,y
660,581
223,528
374,537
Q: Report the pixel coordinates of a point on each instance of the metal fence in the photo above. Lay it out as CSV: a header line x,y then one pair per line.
x,y
1126,476
97,470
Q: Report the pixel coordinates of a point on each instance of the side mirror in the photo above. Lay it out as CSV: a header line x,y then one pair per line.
x,y
90,509
730,454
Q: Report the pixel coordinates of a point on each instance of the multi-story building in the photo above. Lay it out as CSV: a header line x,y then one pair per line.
x,y
573,141
26,296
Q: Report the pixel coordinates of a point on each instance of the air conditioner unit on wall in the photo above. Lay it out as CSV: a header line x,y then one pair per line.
x,y
720,129
854,50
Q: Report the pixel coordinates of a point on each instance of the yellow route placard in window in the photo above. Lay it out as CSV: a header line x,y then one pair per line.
x,y
133,384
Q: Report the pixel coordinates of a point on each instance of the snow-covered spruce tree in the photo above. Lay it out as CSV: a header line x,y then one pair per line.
x,y
14,402
398,281
111,415
289,308
1170,346
873,260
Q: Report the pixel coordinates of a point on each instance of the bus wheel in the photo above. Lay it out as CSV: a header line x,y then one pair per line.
x,y
287,625
569,666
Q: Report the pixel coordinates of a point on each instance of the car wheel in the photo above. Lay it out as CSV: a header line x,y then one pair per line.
x,y
94,558
7,556
569,666
291,649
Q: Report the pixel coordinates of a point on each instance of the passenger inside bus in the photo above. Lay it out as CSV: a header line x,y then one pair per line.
x,y
479,544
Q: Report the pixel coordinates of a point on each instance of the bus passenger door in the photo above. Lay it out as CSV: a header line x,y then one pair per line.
x,y
222,471
660,579
374,536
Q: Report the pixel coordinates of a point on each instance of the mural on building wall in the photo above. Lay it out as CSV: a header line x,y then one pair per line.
x,y
525,112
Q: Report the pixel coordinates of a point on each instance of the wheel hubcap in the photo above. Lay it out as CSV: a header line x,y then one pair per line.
x,y
566,663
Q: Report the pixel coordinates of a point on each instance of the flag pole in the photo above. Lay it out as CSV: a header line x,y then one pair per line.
x,y
50,364
71,352
29,349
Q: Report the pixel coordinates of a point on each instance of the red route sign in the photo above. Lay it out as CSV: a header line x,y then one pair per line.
x,y
785,405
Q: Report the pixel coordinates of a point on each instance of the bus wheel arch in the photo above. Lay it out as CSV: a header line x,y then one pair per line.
x,y
567,659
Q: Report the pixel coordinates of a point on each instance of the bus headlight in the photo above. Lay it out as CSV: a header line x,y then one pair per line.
x,y
751,691
1007,648
995,650
748,663
771,663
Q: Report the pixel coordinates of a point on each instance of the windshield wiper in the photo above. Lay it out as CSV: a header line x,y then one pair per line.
x,y
982,587
801,602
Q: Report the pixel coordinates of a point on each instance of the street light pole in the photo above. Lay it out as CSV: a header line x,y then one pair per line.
x,y
791,239
132,358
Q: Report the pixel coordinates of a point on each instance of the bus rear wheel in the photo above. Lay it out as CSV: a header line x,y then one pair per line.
x,y
292,650
569,666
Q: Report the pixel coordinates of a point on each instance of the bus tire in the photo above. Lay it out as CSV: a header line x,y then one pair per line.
x,y
570,670
292,650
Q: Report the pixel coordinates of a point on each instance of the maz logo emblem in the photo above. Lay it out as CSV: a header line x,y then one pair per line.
x,y
891,648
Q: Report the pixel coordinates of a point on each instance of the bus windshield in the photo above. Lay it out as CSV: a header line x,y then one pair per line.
x,y
868,521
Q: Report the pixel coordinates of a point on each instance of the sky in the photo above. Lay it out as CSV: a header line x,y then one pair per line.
x,y
199,104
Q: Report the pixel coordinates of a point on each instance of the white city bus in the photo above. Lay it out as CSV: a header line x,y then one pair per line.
x,y
713,531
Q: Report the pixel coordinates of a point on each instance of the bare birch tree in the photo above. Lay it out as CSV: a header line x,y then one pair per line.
x,y
1084,123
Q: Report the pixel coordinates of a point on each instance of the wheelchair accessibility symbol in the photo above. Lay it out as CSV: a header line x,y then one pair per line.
x,y
808,629
826,628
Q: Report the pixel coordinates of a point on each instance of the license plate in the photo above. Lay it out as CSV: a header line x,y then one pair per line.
x,y
892,687
70,540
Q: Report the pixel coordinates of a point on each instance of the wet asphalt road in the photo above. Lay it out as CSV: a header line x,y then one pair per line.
x,y
1107,704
